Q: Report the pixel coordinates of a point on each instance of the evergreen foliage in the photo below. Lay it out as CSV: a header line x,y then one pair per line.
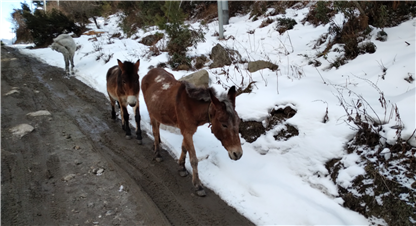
x,y
173,17
181,36
44,27
321,12
138,15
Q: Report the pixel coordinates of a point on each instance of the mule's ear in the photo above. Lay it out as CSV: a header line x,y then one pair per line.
x,y
214,99
136,65
232,94
120,65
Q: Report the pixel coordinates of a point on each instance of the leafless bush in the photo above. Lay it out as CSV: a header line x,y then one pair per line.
x,y
361,116
20,28
98,47
81,11
296,71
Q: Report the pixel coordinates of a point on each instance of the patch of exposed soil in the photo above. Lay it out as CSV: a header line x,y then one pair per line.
x,y
387,189
251,130
286,133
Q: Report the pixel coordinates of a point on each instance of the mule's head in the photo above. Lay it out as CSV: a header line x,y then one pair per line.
x,y
225,123
128,81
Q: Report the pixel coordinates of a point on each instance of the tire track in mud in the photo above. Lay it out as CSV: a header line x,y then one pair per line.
x,y
163,197
8,164
155,186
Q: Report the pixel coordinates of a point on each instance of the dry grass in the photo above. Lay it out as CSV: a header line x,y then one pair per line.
x,y
207,13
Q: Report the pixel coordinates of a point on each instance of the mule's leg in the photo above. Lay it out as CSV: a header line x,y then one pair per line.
x,y
126,123
122,115
189,146
137,118
156,136
113,111
72,63
66,58
181,161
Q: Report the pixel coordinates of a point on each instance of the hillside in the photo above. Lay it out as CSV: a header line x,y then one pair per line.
x,y
328,136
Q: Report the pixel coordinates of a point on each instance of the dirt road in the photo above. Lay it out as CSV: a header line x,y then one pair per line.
x,y
74,166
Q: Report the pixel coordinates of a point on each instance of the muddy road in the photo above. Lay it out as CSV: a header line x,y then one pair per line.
x,y
70,164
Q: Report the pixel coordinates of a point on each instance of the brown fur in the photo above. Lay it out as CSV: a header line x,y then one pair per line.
x,y
186,107
123,86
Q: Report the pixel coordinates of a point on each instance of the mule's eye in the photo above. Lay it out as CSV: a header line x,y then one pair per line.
x,y
224,125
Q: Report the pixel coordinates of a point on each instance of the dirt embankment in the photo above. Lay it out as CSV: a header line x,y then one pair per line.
x,y
74,166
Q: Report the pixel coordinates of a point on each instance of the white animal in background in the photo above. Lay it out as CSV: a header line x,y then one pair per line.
x,y
65,44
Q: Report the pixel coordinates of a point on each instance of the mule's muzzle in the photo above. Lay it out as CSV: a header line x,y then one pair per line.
x,y
131,100
235,153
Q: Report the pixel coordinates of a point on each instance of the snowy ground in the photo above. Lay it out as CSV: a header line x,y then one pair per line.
x,y
275,182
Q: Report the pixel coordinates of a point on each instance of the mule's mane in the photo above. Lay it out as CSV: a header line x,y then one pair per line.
x,y
198,93
128,67
201,93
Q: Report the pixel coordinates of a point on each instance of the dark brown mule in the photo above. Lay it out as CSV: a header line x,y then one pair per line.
x,y
123,86
182,105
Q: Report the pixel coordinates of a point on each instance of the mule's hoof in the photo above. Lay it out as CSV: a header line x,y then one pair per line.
x,y
158,159
140,142
183,173
128,137
200,192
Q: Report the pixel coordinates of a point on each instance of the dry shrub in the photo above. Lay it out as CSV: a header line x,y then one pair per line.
x,y
207,12
116,35
320,13
266,22
109,8
154,51
53,5
70,9
80,11
285,24
129,25
354,28
290,3
389,13
259,8
239,7
397,3
20,28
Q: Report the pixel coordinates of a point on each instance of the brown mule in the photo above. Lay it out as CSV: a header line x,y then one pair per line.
x,y
123,86
182,105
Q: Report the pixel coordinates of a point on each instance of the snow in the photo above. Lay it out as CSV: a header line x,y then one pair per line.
x,y
351,170
275,182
